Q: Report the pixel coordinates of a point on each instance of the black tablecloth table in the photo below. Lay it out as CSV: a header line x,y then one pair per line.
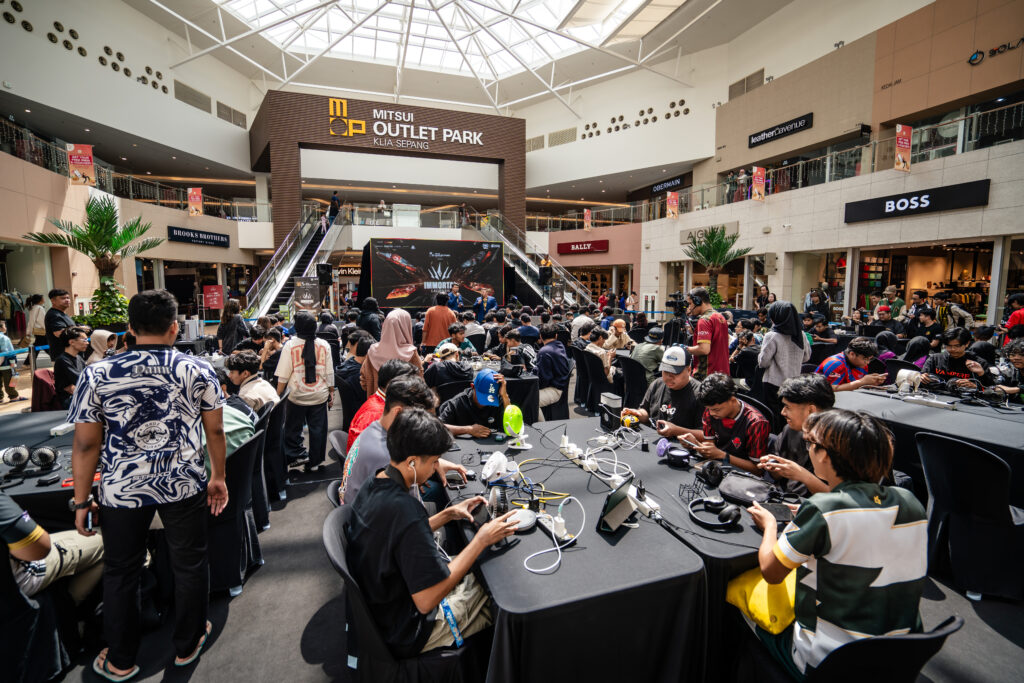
x,y
48,505
995,429
628,606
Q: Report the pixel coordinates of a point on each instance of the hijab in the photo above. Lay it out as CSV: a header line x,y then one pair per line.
x,y
917,348
786,322
886,340
395,339
305,329
98,341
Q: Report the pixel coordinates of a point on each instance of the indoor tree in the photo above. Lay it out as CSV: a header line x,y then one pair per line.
x,y
714,250
106,243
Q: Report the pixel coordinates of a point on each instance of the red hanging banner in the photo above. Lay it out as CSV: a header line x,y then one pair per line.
x,y
757,187
195,201
904,135
672,205
586,220
80,165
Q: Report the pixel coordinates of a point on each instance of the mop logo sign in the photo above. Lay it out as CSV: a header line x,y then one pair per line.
x,y
340,124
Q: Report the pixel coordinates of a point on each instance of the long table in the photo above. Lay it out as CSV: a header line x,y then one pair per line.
x,y
48,505
645,603
998,430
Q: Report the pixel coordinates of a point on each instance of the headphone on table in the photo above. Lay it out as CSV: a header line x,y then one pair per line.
x,y
728,515
711,473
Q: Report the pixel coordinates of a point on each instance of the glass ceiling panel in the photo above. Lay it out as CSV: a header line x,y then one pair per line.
x,y
307,28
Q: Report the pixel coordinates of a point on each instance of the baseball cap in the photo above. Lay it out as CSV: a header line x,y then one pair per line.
x,y
655,335
675,360
446,350
486,388
885,308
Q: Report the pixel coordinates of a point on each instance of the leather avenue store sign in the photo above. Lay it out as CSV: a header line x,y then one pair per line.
x,y
590,247
945,198
781,130
978,56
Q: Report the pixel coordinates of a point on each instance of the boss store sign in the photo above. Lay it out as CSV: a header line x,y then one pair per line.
x,y
946,198
591,247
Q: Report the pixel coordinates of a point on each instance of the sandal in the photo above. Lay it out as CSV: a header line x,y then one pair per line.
x,y
178,661
103,669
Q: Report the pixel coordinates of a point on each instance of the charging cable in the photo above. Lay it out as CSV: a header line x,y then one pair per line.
x,y
558,524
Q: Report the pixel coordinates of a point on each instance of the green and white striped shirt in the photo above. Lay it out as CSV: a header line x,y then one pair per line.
x,y
861,550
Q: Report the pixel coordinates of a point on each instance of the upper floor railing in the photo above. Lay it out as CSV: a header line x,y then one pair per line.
x,y
26,145
965,134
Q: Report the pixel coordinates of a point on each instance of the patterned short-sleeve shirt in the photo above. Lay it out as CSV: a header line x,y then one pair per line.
x,y
838,371
150,402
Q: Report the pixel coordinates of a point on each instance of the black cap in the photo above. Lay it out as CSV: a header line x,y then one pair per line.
x,y
655,335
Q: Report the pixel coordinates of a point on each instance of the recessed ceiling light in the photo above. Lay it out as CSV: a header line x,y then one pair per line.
x,y
174,157
207,168
662,170
86,130
28,111
134,145
600,181
149,173
602,190
124,158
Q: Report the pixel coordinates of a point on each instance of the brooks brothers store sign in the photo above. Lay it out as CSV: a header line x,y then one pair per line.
x,y
923,201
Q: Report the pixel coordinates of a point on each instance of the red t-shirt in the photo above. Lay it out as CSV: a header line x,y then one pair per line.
x,y
1016,318
712,329
367,414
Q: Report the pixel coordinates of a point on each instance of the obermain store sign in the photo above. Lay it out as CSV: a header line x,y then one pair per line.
x,y
960,196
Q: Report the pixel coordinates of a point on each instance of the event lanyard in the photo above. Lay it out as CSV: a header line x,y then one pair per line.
x,y
452,624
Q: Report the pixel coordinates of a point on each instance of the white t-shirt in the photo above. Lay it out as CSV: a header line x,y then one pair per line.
x,y
292,370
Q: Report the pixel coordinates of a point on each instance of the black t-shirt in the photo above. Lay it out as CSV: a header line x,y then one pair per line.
x,y
463,411
445,371
826,334
348,372
249,345
679,407
66,370
891,325
789,444
54,321
392,554
270,367
931,332
945,367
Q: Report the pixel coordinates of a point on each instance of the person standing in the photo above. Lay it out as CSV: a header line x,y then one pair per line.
x,y
455,301
305,367
56,321
711,337
36,326
783,350
335,207
8,366
232,328
139,417
439,318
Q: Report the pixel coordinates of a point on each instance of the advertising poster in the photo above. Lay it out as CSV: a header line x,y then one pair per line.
x,y
904,134
307,295
80,166
757,187
586,220
409,273
213,297
195,201
672,205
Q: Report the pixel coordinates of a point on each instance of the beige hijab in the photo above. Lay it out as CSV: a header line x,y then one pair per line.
x,y
395,339
98,341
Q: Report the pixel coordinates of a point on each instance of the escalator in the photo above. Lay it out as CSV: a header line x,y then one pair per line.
x,y
284,295
275,284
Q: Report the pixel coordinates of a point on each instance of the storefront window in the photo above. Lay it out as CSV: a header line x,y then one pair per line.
x,y
598,279
730,282
144,274
185,280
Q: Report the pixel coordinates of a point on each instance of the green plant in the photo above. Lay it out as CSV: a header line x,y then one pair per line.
x,y
106,242
716,299
714,250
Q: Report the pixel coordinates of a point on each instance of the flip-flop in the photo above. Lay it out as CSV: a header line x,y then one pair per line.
x,y
178,661
104,670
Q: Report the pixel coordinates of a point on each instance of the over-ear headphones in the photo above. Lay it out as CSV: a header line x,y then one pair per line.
x,y
695,297
711,473
728,515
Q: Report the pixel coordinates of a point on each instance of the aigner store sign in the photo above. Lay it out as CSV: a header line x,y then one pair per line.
x,y
946,198
591,247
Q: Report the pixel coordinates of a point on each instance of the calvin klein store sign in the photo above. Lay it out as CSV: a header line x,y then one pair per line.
x,y
959,196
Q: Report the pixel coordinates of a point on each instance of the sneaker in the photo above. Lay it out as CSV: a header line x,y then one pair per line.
x,y
312,468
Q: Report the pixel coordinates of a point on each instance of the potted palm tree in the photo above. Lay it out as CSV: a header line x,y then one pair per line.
x,y
106,243
714,250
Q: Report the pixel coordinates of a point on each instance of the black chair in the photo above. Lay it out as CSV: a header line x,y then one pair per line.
x,y
762,408
260,499
637,334
477,340
451,390
375,662
351,400
564,337
808,368
893,367
559,410
970,516
275,469
233,545
332,492
745,366
870,330
820,352
635,377
598,380
579,396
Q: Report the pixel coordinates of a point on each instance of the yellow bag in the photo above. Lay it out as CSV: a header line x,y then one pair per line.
x,y
770,606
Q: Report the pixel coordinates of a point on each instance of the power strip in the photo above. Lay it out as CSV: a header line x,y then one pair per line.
x,y
648,506
930,402
563,539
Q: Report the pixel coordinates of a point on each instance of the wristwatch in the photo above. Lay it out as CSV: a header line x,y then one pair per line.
x,y
74,507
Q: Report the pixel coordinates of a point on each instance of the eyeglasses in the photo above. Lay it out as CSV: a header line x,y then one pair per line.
x,y
811,443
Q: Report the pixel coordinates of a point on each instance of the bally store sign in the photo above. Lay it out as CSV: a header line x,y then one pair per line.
x,y
959,196
591,247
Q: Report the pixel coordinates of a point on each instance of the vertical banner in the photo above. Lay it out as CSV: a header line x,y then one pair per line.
x,y
903,141
213,297
195,201
80,165
757,187
586,220
672,205
307,295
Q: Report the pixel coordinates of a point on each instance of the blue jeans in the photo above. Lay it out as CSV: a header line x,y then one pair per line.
x,y
316,417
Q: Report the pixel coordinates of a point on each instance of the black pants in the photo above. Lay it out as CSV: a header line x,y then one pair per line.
x,y
314,416
124,551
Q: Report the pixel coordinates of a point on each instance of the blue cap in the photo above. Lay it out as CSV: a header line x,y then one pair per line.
x,y
486,388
